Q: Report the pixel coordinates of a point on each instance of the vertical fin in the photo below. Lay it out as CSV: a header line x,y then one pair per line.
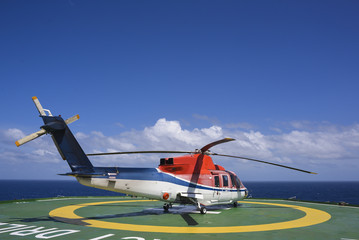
x,y
67,144
58,148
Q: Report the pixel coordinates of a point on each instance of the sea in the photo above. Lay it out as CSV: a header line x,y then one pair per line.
x,y
333,192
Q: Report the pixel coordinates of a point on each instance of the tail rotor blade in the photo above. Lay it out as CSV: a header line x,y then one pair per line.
x,y
38,106
30,137
72,119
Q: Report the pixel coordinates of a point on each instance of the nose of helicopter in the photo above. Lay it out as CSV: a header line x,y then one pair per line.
x,y
246,193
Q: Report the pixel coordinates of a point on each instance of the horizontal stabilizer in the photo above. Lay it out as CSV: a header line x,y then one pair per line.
x,y
81,174
30,137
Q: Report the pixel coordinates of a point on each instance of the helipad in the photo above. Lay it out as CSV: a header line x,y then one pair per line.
x,y
133,218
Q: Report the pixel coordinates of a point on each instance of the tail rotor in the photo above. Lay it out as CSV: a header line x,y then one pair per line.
x,y
65,142
42,112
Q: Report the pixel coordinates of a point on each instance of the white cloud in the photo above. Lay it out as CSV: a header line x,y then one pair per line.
x,y
171,131
330,144
14,134
40,150
43,152
81,135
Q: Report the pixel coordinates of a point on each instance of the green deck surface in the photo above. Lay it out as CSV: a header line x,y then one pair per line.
x,y
33,217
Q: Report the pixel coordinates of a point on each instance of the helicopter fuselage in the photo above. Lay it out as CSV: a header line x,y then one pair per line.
x,y
214,187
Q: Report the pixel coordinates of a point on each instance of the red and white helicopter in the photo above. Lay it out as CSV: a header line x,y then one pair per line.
x,y
189,179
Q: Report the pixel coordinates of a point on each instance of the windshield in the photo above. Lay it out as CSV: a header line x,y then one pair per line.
x,y
235,180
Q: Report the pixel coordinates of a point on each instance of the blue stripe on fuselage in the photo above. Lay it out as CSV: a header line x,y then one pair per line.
x,y
151,174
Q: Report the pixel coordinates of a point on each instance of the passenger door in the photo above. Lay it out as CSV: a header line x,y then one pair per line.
x,y
216,184
225,193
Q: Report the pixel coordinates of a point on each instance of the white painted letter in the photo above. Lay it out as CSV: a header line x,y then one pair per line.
x,y
102,237
31,231
56,233
135,238
14,227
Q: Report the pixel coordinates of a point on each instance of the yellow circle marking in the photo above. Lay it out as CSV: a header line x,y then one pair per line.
x,y
312,217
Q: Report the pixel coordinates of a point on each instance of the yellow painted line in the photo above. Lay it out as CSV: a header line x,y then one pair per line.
x,y
312,217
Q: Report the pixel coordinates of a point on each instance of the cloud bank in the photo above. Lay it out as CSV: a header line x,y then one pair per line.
x,y
329,146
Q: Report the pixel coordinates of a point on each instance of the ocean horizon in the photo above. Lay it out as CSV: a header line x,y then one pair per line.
x,y
334,192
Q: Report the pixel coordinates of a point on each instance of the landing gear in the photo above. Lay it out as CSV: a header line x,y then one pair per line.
x,y
203,210
166,206
235,204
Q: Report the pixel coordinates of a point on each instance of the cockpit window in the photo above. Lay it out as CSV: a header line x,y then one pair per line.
x,y
233,180
238,182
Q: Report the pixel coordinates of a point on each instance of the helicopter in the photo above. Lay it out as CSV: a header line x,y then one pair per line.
x,y
189,179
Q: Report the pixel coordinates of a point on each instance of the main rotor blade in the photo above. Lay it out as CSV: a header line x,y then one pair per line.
x,y
208,146
256,160
203,149
136,152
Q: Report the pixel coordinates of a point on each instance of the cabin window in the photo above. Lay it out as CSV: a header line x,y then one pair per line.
x,y
225,180
216,181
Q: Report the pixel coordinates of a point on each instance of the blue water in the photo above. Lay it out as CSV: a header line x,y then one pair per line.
x,y
309,191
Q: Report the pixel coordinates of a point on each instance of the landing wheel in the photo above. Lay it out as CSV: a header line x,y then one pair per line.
x,y
235,204
166,206
203,210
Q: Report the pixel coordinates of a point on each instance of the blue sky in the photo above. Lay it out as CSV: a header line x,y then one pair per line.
x,y
280,76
